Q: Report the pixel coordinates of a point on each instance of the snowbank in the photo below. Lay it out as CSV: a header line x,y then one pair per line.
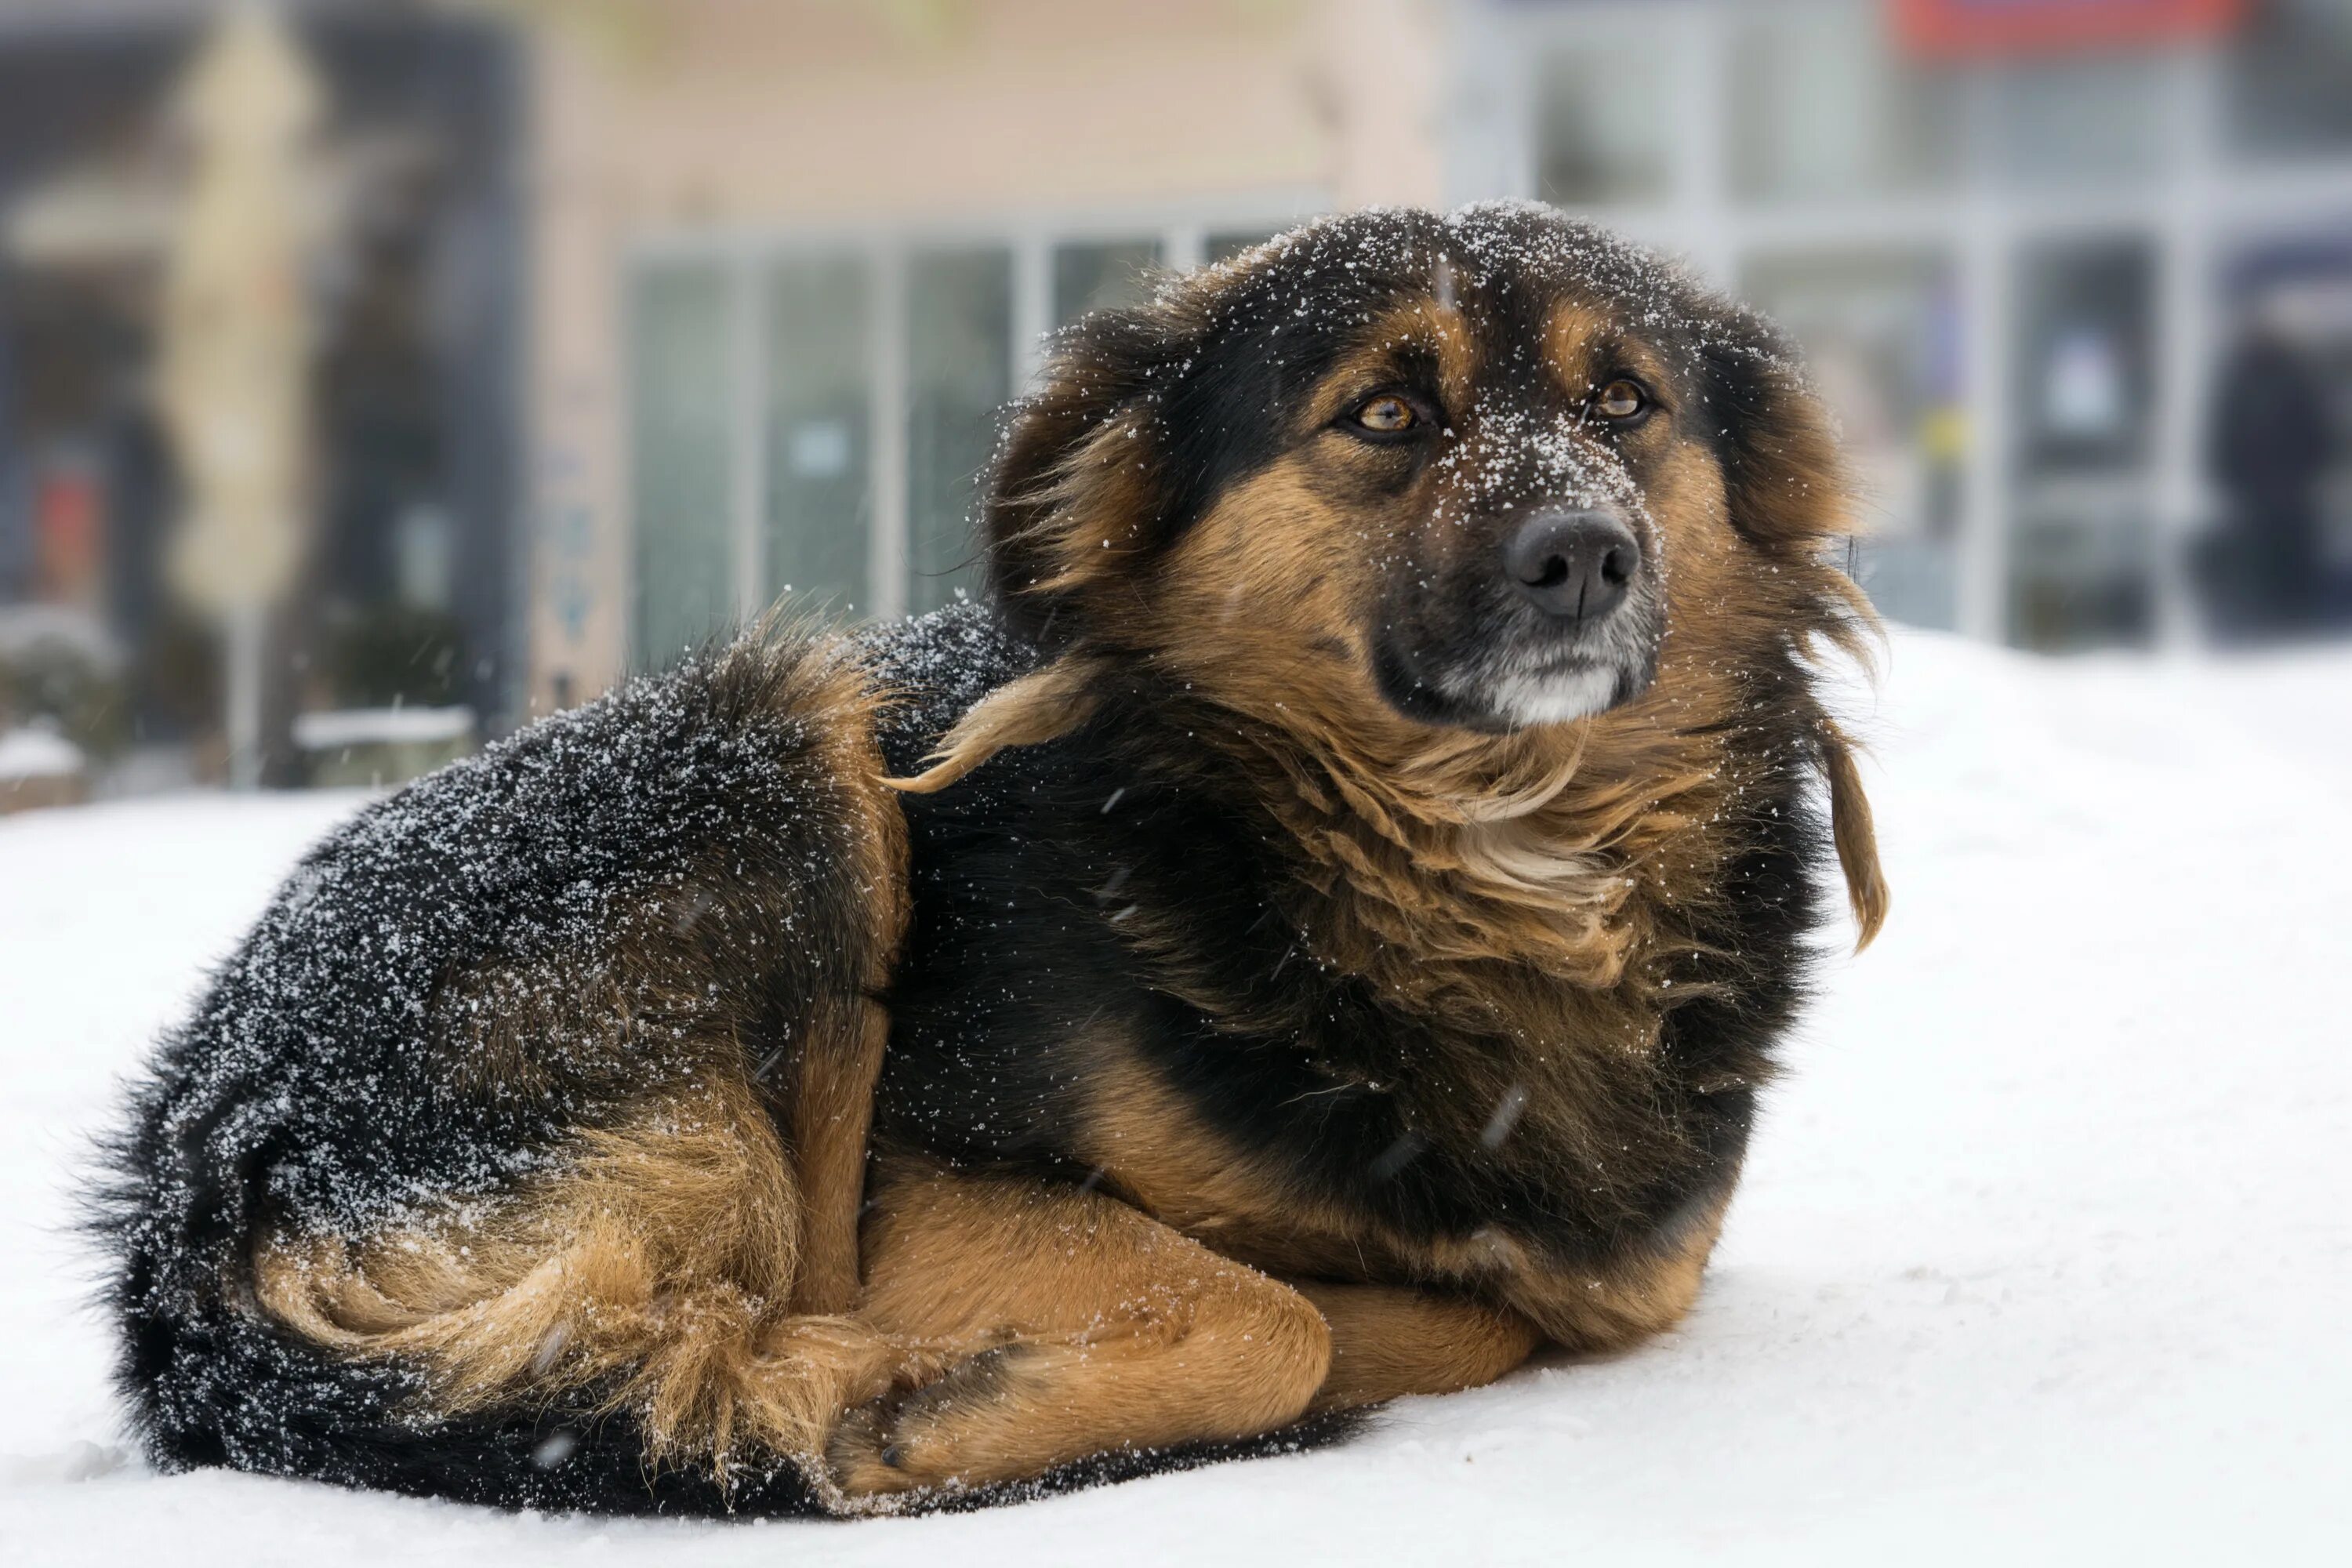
x,y
380,726
37,754
2044,1250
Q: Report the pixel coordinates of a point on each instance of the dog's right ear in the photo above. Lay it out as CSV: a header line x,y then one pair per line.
x,y
1072,498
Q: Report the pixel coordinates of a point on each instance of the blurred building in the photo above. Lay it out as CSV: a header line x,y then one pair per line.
x,y
639,312
2021,242
411,589
792,256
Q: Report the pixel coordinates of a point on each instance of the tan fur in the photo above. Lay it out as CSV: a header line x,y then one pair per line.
x,y
1626,1302
691,1261
1154,1152
659,1267
1387,1342
1857,837
1444,848
1090,1327
1037,708
1428,324
832,1112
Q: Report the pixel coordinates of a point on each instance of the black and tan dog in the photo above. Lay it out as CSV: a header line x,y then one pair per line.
x,y
1315,937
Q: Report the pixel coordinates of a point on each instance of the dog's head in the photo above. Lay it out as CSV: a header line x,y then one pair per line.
x,y
1474,472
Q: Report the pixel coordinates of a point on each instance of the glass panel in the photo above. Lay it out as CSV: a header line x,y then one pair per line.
x,y
1880,333
1101,277
960,371
1822,106
1597,135
2288,93
2078,123
819,513
1224,245
679,450
2278,432
2086,354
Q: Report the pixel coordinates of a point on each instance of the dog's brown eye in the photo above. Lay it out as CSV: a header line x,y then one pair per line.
x,y
1386,415
1620,399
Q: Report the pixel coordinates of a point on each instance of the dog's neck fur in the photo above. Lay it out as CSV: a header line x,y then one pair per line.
x,y
1439,864
1441,860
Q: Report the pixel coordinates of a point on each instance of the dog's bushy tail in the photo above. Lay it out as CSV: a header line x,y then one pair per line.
x,y
210,1381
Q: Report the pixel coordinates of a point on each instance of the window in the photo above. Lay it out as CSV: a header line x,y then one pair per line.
x,y
679,438
2086,352
818,422
960,352
1101,277
2288,93
1821,107
1878,330
2085,355
2090,122
819,524
1598,140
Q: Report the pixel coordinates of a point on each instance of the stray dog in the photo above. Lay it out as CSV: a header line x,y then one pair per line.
x,y
1315,936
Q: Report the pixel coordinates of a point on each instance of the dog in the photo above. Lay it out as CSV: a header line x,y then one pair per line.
x,y
1315,934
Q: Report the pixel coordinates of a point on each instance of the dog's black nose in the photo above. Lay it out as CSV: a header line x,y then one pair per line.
x,y
1573,564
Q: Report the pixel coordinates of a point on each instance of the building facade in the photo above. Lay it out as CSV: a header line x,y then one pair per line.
x,y
644,312
793,259
788,271
2021,246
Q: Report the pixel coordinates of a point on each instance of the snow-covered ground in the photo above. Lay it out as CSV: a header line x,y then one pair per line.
x,y
2043,1253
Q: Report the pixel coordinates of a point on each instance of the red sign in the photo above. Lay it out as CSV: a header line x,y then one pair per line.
x,y
1987,28
69,535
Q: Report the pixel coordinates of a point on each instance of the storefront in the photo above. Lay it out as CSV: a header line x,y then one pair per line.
x,y
412,201
2003,234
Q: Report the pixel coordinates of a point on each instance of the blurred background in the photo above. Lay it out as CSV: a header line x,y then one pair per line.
x,y
375,374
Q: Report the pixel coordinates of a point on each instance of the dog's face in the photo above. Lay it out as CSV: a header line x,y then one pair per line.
x,y
1475,471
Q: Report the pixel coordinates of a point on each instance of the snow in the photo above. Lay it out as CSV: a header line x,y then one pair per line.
x,y
28,629
2043,1250
369,726
37,754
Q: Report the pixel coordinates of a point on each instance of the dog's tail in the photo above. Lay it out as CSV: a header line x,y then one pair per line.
x,y
211,1378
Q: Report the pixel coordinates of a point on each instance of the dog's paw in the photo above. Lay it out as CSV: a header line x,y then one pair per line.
x,y
930,1437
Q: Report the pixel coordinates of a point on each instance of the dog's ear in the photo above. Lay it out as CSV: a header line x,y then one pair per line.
x,y
1787,485
1071,495
1785,477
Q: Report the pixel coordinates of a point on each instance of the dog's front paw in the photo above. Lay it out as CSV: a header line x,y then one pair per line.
x,y
929,1437
860,1456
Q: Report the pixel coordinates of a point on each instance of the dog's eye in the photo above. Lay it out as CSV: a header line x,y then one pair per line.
x,y
1387,414
1620,399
